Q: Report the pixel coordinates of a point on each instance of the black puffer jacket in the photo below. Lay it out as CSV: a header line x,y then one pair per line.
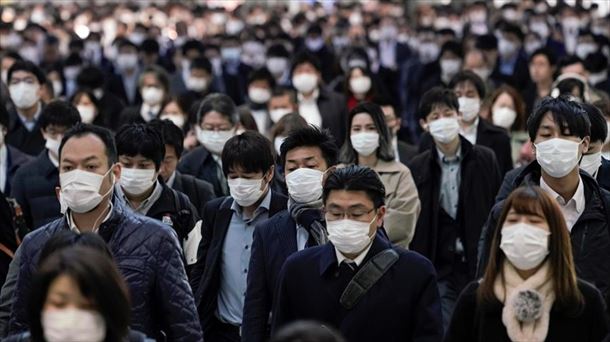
x,y
149,257
590,235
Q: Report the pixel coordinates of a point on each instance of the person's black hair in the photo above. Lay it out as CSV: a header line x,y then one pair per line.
x,y
73,59
383,100
568,60
599,128
512,29
219,103
51,40
126,43
159,73
201,63
90,77
434,97
314,29
486,42
596,62
59,113
356,178
140,139
172,134
261,74
81,130
27,66
568,115
546,52
80,92
150,46
11,54
385,151
284,90
305,57
76,43
249,151
307,331
192,44
567,86
4,120
311,137
453,47
446,32
278,50
468,76
98,280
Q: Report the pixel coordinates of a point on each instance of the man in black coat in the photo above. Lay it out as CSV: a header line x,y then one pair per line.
x,y
585,206
403,302
219,277
318,105
124,84
34,184
25,82
305,151
11,159
456,182
153,86
110,106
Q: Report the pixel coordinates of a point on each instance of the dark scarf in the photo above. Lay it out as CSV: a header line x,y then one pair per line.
x,y
309,216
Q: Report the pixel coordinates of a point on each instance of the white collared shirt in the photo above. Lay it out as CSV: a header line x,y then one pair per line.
x,y
572,208
357,260
470,132
171,179
3,166
75,229
308,108
30,124
387,54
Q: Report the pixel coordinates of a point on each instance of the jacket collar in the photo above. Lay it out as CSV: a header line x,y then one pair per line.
x,y
106,229
328,257
47,166
387,166
465,148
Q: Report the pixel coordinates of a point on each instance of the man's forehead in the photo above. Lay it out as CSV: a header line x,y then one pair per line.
x,y
83,146
348,198
304,152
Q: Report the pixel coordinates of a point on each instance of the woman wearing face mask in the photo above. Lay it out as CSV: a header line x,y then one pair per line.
x,y
529,291
507,110
78,294
153,85
359,86
368,143
277,134
88,107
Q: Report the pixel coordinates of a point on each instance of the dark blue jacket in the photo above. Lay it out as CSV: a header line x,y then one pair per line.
x,y
28,142
14,160
149,257
404,305
34,189
200,164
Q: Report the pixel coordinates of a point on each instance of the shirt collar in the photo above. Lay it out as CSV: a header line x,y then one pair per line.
x,y
444,160
578,199
75,229
313,98
171,179
357,260
472,129
264,206
34,119
147,203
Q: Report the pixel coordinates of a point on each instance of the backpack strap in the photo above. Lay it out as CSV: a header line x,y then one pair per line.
x,y
367,276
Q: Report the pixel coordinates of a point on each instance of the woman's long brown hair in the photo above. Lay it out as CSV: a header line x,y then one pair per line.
x,y
535,201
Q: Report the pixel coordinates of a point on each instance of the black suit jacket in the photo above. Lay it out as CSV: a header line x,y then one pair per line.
x,y
404,305
116,87
198,191
18,136
333,109
406,152
488,135
205,277
15,159
200,164
603,174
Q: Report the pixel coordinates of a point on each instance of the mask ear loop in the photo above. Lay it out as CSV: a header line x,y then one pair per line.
x,y
106,194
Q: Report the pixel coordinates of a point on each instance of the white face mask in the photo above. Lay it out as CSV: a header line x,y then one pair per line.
x,y
71,72
469,107
137,181
360,85
444,130
80,190
305,82
53,146
483,73
213,141
259,95
196,84
73,325
152,95
24,95
277,114
58,88
525,245
584,49
127,61
177,119
531,46
557,157
87,113
591,163
277,65
349,236
305,185
607,141
277,143
449,67
506,48
504,117
365,143
246,191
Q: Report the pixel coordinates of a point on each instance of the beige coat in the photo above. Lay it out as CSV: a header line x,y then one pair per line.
x,y
401,200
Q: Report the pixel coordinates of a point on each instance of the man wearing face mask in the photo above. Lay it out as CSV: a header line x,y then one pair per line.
x,y
456,182
124,84
219,277
34,185
141,152
147,252
71,69
316,45
318,105
217,121
11,159
199,81
190,50
154,89
260,85
512,67
283,101
592,161
321,283
25,81
403,151
110,106
306,154
278,63
560,131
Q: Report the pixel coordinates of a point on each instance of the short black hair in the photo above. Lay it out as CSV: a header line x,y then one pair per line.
x,y
434,97
250,151
282,91
192,45
311,137
468,76
90,77
201,63
513,29
104,134
172,134
453,47
385,151
140,139
568,115
278,50
126,43
546,52
160,75
59,113
486,42
599,128
27,66
569,60
261,74
356,178
219,103
150,46
305,57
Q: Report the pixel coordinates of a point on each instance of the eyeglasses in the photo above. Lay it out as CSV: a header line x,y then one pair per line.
x,y
355,215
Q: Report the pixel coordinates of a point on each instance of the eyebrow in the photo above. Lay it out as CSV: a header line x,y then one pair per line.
x,y
304,159
90,158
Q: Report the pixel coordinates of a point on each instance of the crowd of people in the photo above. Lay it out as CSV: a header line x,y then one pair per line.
x,y
304,171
